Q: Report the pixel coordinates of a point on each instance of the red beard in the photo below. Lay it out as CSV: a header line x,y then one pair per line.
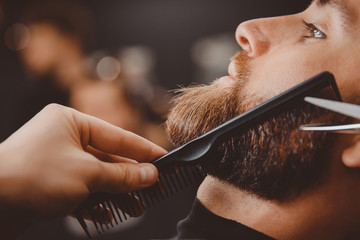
x,y
198,109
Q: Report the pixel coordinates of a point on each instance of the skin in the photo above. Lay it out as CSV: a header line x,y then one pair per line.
x,y
326,212
52,164
280,41
284,52
65,134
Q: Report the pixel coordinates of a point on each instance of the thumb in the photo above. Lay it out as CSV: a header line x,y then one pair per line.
x,y
124,177
351,156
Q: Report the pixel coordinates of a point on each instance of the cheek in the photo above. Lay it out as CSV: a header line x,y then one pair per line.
x,y
277,73
347,76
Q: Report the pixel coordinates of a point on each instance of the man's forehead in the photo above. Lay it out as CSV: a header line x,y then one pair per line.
x,y
342,7
327,2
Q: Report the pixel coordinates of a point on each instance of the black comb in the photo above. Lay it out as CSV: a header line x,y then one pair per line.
x,y
182,167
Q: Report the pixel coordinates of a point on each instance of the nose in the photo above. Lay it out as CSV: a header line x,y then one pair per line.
x,y
251,37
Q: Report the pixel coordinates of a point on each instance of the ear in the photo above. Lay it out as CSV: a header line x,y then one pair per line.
x,y
351,155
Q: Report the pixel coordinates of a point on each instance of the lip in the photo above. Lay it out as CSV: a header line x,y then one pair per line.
x,y
232,70
225,81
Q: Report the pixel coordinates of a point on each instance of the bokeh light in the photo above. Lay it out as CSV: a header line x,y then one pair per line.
x,y
17,36
108,68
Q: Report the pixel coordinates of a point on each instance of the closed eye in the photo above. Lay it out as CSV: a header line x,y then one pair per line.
x,y
314,32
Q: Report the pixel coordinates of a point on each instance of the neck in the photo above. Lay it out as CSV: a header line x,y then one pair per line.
x,y
318,215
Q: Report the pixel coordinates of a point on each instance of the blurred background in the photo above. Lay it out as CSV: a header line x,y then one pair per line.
x,y
117,60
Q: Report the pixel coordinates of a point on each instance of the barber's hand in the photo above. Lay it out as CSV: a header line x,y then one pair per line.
x,y
51,164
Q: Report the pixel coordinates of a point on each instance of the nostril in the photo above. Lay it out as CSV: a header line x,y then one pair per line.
x,y
243,40
244,43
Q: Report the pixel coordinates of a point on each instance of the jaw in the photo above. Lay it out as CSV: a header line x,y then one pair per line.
x,y
329,211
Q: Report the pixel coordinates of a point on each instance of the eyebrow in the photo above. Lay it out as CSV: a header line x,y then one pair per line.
x,y
340,6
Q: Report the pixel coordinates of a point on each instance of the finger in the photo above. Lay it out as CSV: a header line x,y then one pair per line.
x,y
108,157
122,177
114,140
351,156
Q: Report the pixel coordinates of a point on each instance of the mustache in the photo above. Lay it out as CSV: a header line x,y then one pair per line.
x,y
198,109
242,66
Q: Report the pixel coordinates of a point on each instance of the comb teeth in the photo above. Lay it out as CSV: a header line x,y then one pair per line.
x,y
108,210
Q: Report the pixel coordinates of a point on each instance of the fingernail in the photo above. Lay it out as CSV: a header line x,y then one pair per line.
x,y
147,174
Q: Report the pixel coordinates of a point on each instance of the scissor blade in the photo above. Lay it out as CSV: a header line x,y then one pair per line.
x,y
353,128
347,109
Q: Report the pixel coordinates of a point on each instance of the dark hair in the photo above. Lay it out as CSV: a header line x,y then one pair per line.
x,y
274,159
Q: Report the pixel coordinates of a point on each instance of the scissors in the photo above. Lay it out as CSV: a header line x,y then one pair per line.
x,y
347,109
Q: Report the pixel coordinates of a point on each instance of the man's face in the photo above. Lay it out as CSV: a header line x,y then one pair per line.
x,y
289,49
274,157
279,53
